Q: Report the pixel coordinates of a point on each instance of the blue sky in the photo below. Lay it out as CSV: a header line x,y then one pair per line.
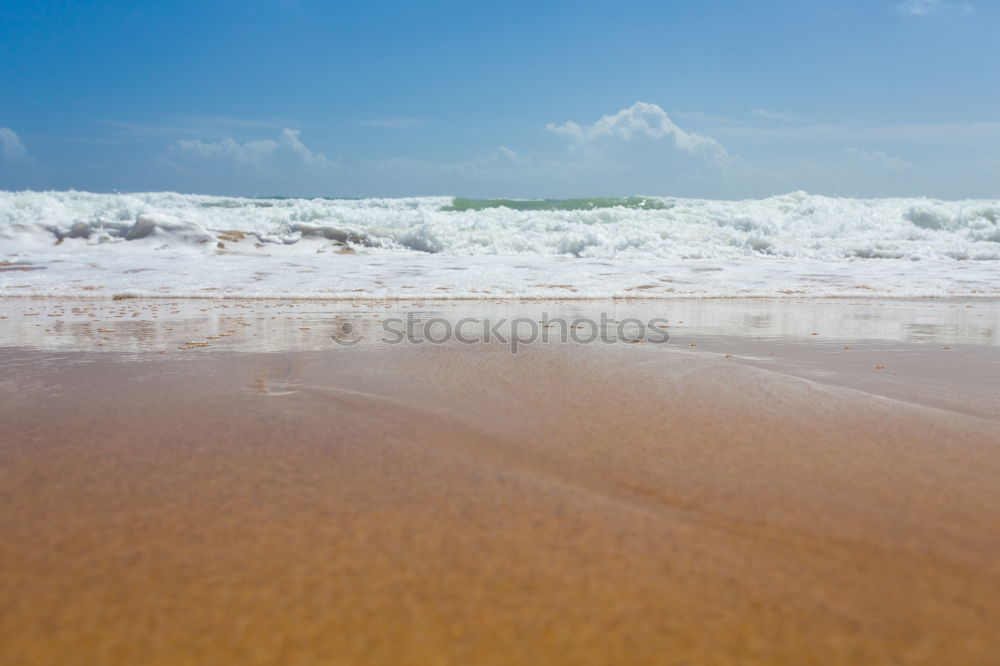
x,y
710,98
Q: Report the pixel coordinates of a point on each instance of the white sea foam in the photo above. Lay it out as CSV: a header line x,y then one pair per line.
x,y
794,244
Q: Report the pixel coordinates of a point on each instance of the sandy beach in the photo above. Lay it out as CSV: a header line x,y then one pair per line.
x,y
718,499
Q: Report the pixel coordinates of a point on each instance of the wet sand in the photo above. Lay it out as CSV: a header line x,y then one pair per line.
x,y
459,504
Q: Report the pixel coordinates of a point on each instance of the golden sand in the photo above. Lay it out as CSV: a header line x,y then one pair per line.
x,y
463,505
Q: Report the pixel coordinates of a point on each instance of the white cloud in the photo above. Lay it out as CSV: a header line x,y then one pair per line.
x,y
773,115
280,165
876,158
254,154
925,7
641,120
400,122
11,147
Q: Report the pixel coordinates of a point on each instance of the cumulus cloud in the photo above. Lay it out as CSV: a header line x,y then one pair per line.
x,y
642,120
11,147
281,165
253,154
926,7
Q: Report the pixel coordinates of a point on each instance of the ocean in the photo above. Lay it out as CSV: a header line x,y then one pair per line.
x,y
793,245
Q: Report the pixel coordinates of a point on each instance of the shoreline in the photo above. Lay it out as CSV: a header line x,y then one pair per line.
x,y
513,300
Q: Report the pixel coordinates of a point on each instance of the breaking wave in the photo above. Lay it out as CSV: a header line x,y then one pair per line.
x,y
795,225
164,244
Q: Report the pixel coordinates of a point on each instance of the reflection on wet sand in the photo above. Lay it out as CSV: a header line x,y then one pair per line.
x,y
150,324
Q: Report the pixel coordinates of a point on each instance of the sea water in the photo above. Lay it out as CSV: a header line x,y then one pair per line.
x,y
793,245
